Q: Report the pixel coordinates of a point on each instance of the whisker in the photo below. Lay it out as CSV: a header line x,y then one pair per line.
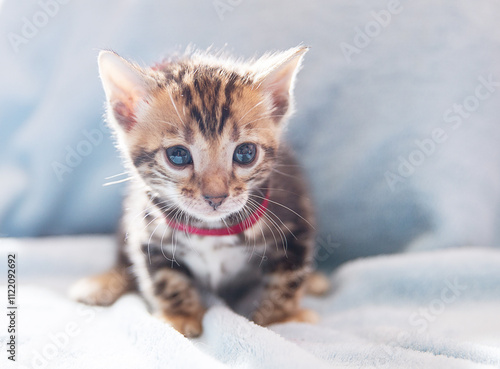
x,y
282,235
277,217
249,110
165,122
242,220
175,107
161,248
188,236
287,208
179,213
263,257
247,222
162,210
117,175
279,189
262,118
116,182
282,173
288,165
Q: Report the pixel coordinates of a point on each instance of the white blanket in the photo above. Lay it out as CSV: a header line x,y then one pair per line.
x,y
438,309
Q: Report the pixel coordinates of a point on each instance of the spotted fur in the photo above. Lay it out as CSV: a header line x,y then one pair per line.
x,y
210,105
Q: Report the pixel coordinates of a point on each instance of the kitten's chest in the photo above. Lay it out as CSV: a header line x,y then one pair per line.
x,y
216,261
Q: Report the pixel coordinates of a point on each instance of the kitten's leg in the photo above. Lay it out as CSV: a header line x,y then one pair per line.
x,y
103,289
177,301
317,284
280,301
169,289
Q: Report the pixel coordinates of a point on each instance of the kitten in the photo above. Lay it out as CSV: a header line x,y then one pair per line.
x,y
216,201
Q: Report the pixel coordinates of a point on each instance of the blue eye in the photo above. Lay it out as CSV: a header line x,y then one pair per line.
x,y
179,156
245,153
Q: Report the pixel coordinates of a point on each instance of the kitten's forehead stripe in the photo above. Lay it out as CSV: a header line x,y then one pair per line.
x,y
230,86
196,115
208,95
217,83
225,114
215,98
188,96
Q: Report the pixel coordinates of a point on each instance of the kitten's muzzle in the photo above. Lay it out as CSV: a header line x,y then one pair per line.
x,y
215,200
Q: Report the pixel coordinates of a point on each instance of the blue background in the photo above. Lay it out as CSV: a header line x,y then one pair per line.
x,y
359,116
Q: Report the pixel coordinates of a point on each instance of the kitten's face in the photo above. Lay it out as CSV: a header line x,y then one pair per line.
x,y
205,168
202,138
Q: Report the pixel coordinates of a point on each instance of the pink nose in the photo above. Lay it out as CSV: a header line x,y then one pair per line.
x,y
215,201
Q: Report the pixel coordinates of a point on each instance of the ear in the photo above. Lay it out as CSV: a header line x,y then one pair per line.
x,y
125,85
278,83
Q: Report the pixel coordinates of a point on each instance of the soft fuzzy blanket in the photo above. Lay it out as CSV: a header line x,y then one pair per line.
x,y
438,309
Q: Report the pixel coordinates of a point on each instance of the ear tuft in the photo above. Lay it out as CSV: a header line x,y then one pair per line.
x,y
280,80
125,86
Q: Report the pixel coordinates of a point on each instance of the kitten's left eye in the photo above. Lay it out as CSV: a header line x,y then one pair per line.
x,y
245,153
179,156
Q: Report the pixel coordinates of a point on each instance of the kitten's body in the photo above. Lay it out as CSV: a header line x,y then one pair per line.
x,y
223,121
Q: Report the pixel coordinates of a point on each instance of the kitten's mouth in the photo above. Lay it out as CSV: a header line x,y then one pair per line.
x,y
212,226
219,213
224,210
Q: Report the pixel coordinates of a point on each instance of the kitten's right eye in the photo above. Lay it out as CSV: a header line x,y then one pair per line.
x,y
179,156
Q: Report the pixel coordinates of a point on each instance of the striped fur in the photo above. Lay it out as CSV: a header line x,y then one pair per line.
x,y
210,105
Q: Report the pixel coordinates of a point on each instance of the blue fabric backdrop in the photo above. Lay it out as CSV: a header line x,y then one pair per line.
x,y
397,121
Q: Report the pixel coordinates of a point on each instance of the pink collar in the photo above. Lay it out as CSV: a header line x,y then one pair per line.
x,y
228,231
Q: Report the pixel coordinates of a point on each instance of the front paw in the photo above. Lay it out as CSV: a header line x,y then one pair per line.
x,y
302,316
188,324
103,289
265,318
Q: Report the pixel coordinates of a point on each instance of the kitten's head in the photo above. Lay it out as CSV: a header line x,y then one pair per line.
x,y
200,132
